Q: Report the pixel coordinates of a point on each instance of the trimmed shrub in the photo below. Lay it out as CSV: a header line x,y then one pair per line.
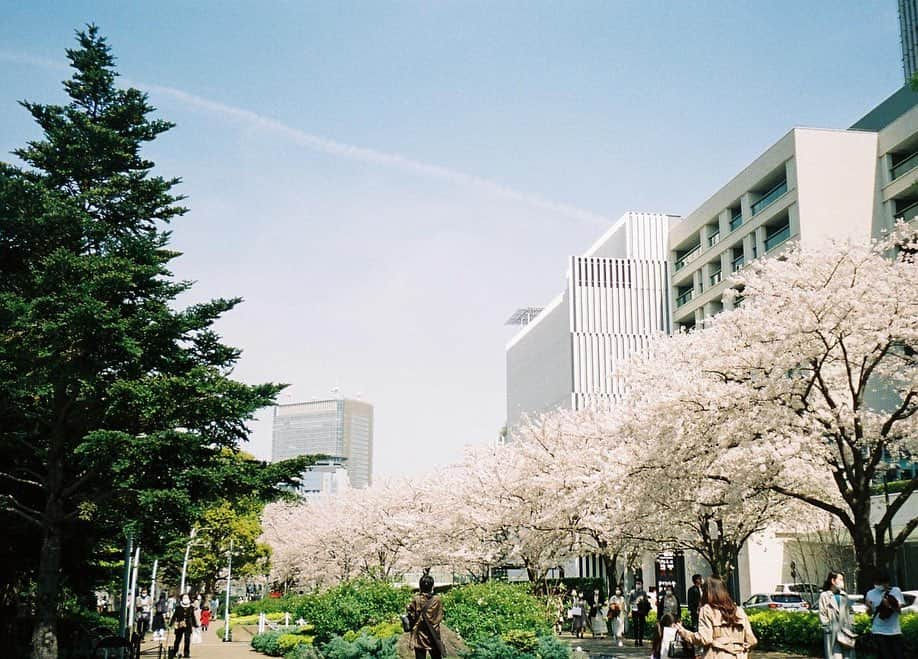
x,y
287,642
303,652
266,605
267,643
363,647
485,611
517,644
351,606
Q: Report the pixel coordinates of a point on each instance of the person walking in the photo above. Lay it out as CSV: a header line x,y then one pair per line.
x,y
159,618
183,621
663,637
579,613
144,606
724,631
694,600
669,603
205,617
425,611
640,606
835,617
616,617
598,616
884,603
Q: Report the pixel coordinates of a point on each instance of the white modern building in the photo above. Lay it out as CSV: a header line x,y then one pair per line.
x,y
340,429
614,301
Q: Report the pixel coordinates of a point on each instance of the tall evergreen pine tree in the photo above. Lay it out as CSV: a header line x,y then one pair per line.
x,y
113,405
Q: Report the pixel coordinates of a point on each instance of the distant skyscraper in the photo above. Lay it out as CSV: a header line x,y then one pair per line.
x,y
341,429
908,33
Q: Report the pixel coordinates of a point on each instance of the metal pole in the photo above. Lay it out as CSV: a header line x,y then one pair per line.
x,y
133,593
125,587
185,562
229,581
153,581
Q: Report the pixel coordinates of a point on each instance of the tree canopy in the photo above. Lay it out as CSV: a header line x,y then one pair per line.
x,y
117,410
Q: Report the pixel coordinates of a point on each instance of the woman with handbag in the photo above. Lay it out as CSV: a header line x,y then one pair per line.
x,y
835,616
184,621
425,611
723,628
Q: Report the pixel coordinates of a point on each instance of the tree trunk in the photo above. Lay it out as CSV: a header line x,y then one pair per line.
x,y
44,636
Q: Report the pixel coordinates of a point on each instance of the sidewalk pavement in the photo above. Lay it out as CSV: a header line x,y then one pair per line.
x,y
213,647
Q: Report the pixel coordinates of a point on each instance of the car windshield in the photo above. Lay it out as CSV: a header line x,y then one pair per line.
x,y
787,599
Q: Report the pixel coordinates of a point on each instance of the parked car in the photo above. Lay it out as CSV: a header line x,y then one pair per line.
x,y
777,601
911,601
857,603
809,591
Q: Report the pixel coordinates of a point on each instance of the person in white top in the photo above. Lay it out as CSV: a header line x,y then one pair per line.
x,y
884,603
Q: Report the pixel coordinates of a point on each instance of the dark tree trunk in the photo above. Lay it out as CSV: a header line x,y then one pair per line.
x,y
44,636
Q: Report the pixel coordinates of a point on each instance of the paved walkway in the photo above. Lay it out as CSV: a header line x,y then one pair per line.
x,y
212,648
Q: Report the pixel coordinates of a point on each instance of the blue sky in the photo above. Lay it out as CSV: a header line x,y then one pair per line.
x,y
385,182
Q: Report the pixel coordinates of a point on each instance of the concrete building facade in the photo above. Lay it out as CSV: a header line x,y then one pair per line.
x,y
341,429
614,301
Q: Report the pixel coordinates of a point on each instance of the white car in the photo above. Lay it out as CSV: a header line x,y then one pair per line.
x,y
808,591
776,601
911,601
857,603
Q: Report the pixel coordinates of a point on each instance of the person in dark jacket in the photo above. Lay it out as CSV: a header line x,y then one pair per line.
x,y
183,620
426,613
694,600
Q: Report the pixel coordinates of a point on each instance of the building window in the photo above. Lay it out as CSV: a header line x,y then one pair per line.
x,y
770,197
738,259
686,293
716,278
777,235
686,256
903,164
736,218
714,238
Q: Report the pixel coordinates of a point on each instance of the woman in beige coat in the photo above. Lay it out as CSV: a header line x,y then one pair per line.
x,y
723,628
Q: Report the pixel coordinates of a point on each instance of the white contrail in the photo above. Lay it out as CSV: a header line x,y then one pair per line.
x,y
340,149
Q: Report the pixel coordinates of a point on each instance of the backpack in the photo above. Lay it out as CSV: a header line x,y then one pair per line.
x,y
888,605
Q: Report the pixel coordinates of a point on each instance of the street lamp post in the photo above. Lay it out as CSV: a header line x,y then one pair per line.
x,y
229,582
194,532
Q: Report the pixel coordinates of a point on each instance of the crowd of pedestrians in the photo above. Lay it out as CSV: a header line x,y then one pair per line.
x,y
720,629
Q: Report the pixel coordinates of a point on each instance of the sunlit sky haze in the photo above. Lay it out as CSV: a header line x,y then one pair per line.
x,y
385,182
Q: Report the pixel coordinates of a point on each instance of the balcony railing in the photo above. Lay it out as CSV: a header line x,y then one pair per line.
x,y
713,239
736,221
769,197
688,257
716,278
738,263
685,297
777,237
905,166
908,213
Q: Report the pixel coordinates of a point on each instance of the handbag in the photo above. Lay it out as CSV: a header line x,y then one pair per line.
x,y
846,637
575,611
406,622
679,648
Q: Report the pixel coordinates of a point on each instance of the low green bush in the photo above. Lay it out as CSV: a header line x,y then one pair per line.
x,y
519,644
268,643
362,647
383,630
351,606
303,652
485,611
802,632
287,642
266,605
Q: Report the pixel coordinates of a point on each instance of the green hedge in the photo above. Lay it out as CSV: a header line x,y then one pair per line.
x,y
351,606
518,644
266,605
362,647
482,611
802,632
